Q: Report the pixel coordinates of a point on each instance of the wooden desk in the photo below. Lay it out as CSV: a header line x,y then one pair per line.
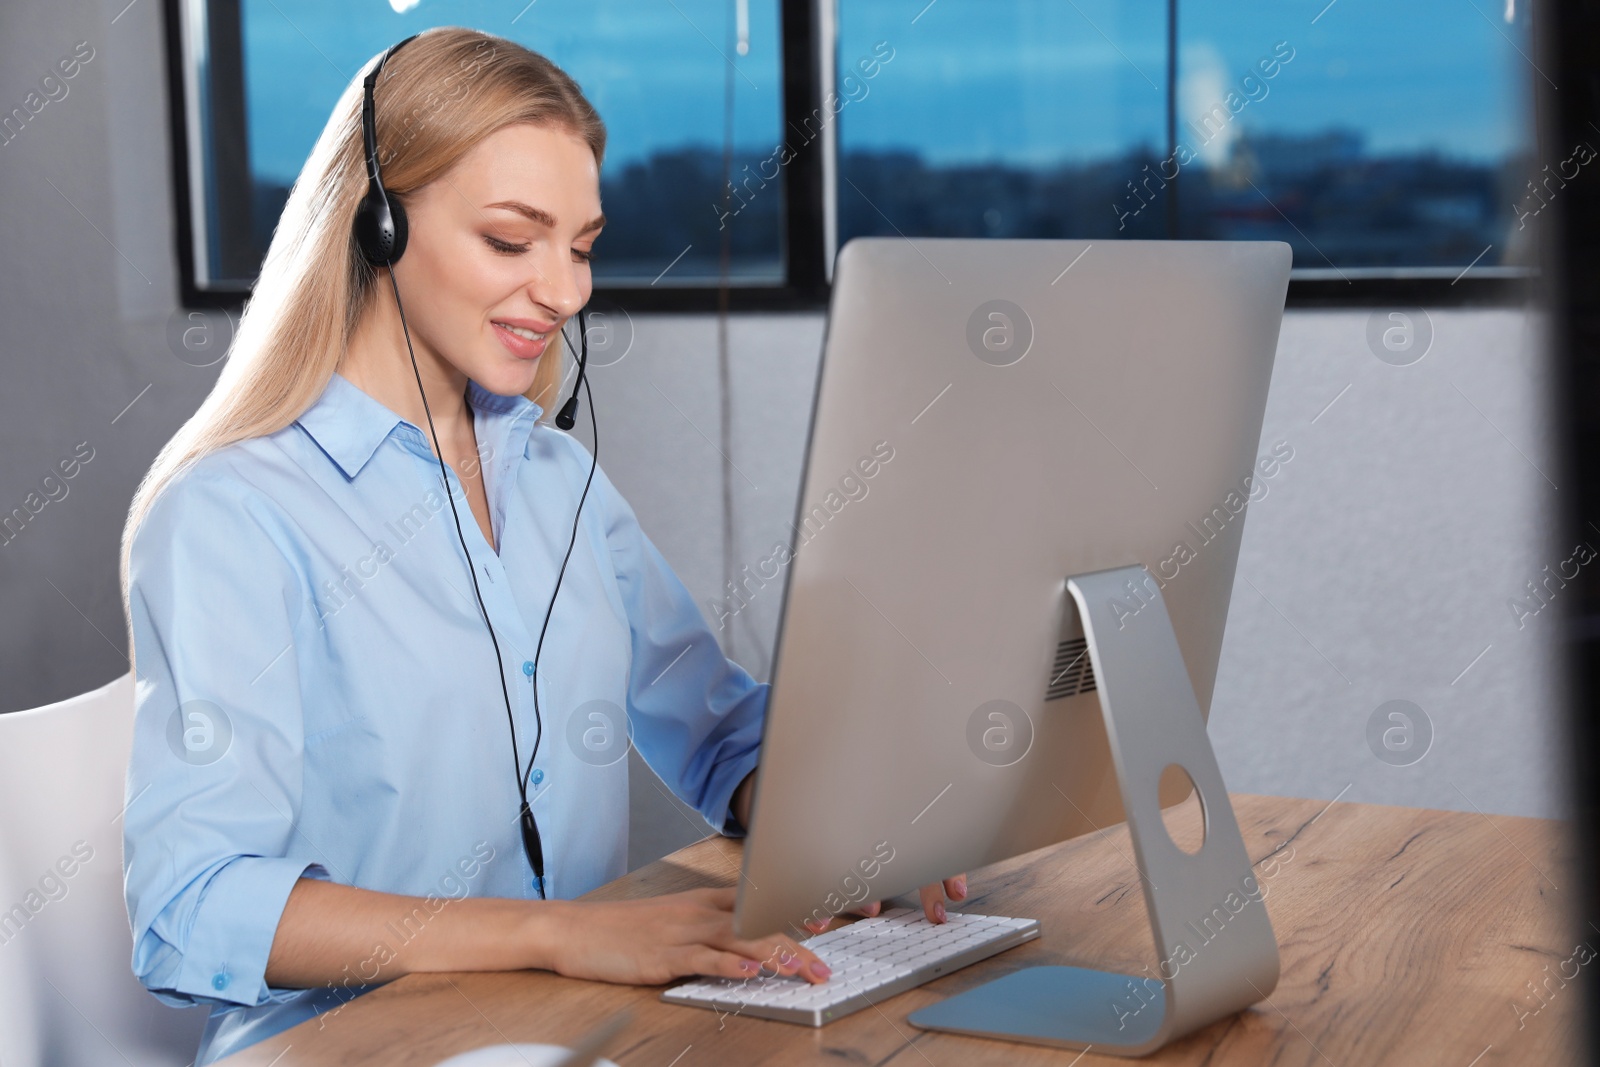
x,y
1408,936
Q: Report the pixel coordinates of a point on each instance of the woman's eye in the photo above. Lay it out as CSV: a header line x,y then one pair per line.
x,y
509,249
504,247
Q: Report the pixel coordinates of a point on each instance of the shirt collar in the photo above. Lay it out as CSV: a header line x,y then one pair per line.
x,y
349,424
519,407
503,423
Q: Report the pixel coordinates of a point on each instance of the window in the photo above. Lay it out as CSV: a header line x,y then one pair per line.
x,y
1380,143
665,76
1391,148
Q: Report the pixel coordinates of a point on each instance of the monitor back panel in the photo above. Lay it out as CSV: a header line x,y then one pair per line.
x,y
993,416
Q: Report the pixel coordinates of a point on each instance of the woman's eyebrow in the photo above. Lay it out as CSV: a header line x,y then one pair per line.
x,y
542,216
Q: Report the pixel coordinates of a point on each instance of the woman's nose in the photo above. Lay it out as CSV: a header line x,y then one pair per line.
x,y
556,286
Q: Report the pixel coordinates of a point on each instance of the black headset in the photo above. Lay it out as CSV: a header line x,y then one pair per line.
x,y
381,232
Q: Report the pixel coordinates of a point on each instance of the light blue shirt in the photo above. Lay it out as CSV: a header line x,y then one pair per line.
x,y
317,696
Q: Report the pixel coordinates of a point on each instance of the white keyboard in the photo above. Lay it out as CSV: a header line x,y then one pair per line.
x,y
871,959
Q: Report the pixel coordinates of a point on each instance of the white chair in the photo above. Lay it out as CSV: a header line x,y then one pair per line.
x,y
67,991
19,1010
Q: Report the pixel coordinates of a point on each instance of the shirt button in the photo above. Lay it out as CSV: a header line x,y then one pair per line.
x,y
220,981
527,667
538,776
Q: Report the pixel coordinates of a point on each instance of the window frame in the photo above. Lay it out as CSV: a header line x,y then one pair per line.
x,y
810,216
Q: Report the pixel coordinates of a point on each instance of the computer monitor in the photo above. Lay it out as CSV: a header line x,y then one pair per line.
x,y
994,418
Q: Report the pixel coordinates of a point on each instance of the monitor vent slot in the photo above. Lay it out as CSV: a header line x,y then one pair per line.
x,y
1072,673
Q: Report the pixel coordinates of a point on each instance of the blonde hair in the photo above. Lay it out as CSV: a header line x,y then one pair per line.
x,y
436,99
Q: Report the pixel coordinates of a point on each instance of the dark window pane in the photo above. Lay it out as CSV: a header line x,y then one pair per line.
x,y
1371,140
1365,136
998,119
659,74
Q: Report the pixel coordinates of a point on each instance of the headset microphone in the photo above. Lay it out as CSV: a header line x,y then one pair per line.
x,y
380,232
569,411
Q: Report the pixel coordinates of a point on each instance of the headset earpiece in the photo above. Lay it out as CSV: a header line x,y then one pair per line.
x,y
380,222
380,226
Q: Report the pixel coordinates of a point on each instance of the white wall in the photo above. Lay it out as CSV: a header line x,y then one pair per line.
x,y
1383,566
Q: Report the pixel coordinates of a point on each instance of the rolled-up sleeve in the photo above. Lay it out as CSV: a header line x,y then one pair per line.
x,y
214,781
696,715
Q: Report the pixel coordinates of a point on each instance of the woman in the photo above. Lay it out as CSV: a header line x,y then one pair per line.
x,y
321,798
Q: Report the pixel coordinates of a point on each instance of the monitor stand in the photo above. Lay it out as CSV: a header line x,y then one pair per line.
x,y
1217,951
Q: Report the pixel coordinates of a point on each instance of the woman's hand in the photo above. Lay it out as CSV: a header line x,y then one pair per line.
x,y
931,896
652,941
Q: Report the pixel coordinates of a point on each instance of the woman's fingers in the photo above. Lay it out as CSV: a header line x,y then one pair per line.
x,y
736,958
782,955
932,896
865,911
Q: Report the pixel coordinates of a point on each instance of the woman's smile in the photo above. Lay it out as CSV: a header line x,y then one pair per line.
x,y
523,338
